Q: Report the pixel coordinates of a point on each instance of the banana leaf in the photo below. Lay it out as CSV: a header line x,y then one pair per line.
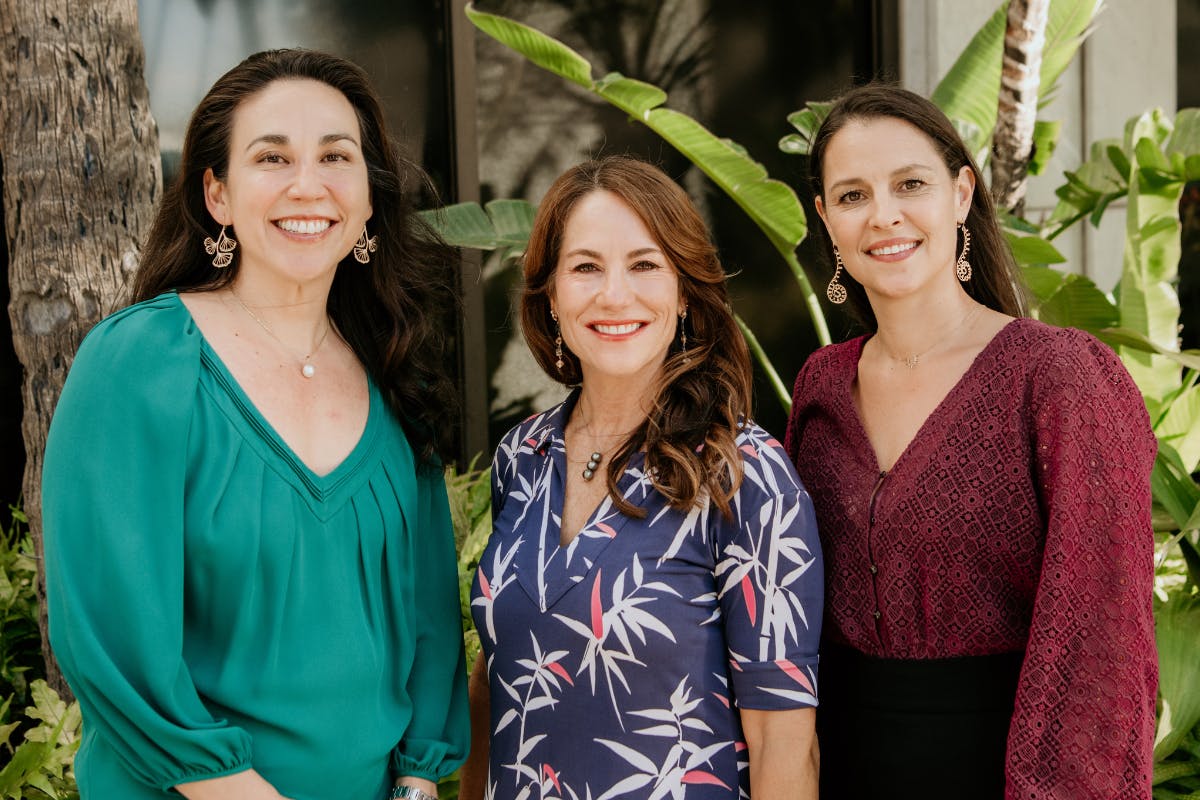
x,y
1177,634
971,88
771,204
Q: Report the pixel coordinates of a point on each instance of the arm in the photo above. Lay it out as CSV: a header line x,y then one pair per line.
x,y
248,785
436,741
475,770
783,753
1083,722
113,497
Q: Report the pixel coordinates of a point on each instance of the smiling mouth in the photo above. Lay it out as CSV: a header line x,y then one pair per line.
x,y
617,330
306,226
893,249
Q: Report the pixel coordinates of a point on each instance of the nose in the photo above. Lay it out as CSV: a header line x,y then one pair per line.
x,y
306,182
885,211
616,290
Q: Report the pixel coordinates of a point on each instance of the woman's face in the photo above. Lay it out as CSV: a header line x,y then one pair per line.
x,y
892,207
615,292
296,192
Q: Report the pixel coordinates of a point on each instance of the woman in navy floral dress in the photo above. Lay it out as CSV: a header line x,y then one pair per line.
x,y
650,600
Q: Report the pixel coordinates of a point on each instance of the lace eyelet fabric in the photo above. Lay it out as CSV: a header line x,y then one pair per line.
x,y
1018,519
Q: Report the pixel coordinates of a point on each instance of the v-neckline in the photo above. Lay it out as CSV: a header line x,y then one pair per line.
x,y
548,569
321,487
939,410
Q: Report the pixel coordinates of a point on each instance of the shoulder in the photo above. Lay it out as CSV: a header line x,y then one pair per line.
x,y
1066,360
528,436
150,349
149,332
766,467
827,365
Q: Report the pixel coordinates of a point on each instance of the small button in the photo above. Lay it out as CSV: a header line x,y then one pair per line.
x,y
877,615
874,569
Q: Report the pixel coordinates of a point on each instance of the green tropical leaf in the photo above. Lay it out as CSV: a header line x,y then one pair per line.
x,y
1173,487
1078,303
505,224
970,90
1177,630
1034,250
807,121
545,51
1180,427
772,205
1124,337
1043,282
1045,142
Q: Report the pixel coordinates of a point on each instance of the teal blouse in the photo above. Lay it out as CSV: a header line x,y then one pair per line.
x,y
216,605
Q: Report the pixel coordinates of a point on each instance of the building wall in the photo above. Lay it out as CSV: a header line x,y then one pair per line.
x,y
1127,66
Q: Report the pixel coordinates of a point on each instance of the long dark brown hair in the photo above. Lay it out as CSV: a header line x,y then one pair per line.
x,y
392,311
996,281
702,396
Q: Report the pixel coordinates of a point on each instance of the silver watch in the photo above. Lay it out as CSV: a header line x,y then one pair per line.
x,y
411,793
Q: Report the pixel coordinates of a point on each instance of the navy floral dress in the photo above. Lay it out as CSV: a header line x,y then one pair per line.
x,y
617,664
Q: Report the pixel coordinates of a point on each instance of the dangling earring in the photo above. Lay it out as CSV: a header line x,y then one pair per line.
x,y
683,334
962,267
835,291
364,247
557,341
221,250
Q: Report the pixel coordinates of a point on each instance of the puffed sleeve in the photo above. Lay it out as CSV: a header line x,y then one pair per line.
x,y
439,734
770,581
1083,724
112,505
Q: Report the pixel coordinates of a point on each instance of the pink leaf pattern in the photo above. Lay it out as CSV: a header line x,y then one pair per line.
x,y
699,776
751,599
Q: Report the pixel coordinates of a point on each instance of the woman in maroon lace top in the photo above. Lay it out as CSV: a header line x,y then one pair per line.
x,y
981,483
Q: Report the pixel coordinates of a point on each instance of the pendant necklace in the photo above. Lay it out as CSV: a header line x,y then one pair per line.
x,y
912,361
593,462
306,367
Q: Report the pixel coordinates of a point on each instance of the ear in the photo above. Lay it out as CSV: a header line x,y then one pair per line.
x,y
820,204
964,190
216,198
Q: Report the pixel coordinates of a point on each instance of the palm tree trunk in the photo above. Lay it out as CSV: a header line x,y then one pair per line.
x,y
1012,144
81,175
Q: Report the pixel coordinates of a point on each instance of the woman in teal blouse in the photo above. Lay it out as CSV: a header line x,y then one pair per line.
x,y
249,559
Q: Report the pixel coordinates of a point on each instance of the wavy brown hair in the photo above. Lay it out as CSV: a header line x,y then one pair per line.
x,y
393,311
996,281
701,397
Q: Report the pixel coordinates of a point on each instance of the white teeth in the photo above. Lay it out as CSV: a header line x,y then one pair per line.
x,y
892,249
617,330
303,225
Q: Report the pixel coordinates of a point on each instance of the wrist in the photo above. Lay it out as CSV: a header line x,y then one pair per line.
x,y
411,793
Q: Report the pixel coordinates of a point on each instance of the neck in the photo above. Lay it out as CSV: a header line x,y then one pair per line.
x,y
910,325
607,417
296,313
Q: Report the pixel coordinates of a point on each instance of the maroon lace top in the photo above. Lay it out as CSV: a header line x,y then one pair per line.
x,y
1017,519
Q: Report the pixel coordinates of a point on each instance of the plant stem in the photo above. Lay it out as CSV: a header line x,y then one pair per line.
x,y
785,397
810,299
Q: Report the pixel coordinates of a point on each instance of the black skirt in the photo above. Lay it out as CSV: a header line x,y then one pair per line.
x,y
900,728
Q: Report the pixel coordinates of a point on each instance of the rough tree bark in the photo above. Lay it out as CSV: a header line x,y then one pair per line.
x,y
81,176
1012,143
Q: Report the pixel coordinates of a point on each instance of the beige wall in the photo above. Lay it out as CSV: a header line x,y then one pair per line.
x,y
1126,67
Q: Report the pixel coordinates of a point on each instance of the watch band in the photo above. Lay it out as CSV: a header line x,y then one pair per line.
x,y
411,793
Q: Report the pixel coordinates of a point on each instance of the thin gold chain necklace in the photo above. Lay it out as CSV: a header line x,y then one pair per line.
x,y
912,361
307,369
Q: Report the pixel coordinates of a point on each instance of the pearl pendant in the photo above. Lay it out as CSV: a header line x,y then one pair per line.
x,y
590,470
308,370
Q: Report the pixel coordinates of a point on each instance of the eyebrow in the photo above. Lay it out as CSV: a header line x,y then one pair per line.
x,y
906,168
280,139
593,254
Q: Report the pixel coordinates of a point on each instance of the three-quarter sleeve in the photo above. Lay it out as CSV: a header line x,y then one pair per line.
x,y
1083,724
439,734
770,582
112,502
